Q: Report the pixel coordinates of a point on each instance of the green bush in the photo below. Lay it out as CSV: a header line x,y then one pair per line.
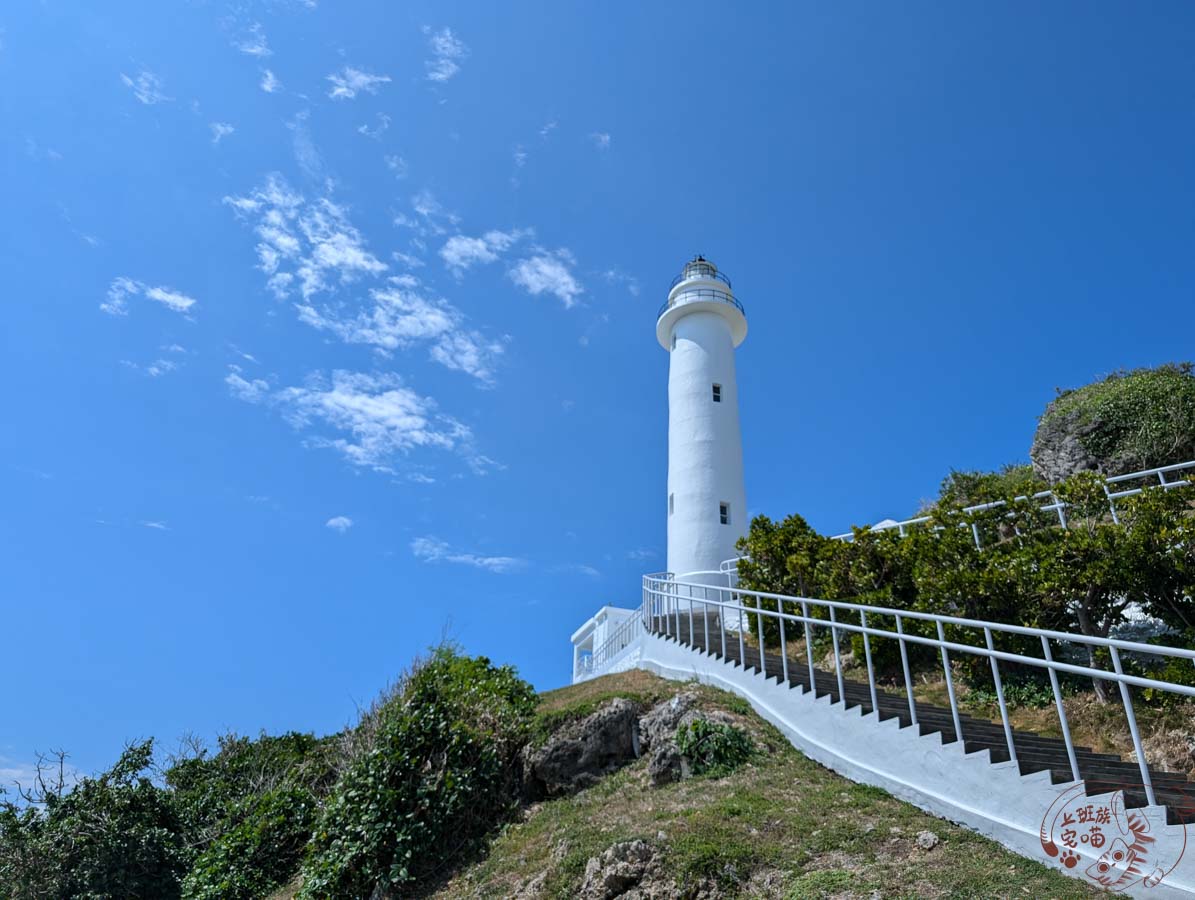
x,y
257,854
213,793
113,837
713,748
437,773
1132,419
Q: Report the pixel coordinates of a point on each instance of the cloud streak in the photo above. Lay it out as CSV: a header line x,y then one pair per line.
x,y
116,302
433,550
350,81
146,87
372,421
548,273
461,252
447,52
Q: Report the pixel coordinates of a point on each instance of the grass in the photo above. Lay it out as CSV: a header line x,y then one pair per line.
x,y
780,826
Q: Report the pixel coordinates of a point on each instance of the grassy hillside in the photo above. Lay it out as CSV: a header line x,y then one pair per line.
x,y
781,826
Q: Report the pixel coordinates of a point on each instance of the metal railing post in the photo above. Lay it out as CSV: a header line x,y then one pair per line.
x,y
837,660
692,636
958,725
705,618
742,642
722,623
783,644
1012,750
809,648
1062,720
871,678
904,662
1127,696
763,668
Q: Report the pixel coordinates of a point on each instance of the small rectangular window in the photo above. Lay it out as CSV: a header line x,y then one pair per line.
x,y
671,504
717,393
724,513
674,342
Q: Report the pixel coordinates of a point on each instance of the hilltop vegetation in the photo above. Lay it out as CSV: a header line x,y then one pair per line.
x,y
384,806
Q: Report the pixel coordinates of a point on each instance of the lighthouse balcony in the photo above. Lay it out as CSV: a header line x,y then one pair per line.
x,y
700,271
697,295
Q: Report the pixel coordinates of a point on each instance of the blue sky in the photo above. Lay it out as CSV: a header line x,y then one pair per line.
x,y
329,328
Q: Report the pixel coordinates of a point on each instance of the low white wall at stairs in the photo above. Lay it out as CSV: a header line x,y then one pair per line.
x,y
992,799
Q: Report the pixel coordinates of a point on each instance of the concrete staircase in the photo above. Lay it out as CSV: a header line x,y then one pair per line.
x,y
1101,772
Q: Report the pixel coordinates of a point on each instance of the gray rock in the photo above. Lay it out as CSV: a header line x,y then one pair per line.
x,y
666,764
533,889
583,752
927,840
660,722
616,871
1058,450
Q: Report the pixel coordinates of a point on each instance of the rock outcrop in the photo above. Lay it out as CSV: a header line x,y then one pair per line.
x,y
581,753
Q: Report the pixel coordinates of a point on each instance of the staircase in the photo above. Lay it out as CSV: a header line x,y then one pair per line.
x,y
1101,772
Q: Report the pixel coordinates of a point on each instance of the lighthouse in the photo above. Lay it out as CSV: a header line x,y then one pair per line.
x,y
700,326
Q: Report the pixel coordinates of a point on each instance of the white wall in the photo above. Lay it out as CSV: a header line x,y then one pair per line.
x,y
705,453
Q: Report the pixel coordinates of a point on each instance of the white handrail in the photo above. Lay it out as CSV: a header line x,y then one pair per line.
x,y
1056,506
667,599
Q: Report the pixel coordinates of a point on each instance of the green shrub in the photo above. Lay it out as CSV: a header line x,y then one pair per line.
x,y
713,748
1131,419
112,837
257,854
436,775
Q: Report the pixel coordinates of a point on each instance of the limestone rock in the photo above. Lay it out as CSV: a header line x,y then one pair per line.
x,y
927,840
666,764
583,752
1058,450
661,721
616,871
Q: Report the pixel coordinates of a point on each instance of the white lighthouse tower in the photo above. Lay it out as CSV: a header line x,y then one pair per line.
x,y
701,325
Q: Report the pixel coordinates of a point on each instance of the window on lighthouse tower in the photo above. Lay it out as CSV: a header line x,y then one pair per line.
x,y
717,393
724,513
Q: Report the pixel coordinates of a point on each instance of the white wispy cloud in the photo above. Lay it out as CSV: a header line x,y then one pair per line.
x,y
641,555
397,165
447,52
156,526
461,252
433,550
307,155
312,246
550,273
614,276
601,140
146,87
220,130
269,82
253,42
400,317
312,243
577,569
548,128
339,523
350,81
255,390
116,302
373,421
155,369
376,132
519,155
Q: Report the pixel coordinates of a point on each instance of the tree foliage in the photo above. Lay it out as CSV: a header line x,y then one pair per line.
x,y
436,776
1128,421
1025,569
